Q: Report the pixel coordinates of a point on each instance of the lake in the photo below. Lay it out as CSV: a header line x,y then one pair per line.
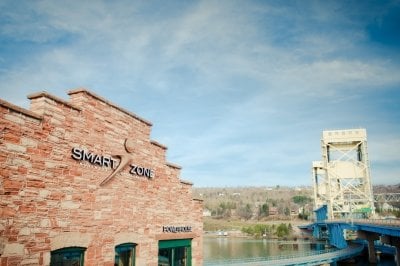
x,y
217,248
225,248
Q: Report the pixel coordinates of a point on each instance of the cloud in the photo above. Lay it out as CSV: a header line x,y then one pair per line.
x,y
235,91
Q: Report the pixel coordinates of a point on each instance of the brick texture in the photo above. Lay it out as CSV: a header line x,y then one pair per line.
x,y
50,201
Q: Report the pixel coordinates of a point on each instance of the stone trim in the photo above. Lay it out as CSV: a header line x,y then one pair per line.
x,y
173,165
54,98
158,144
83,90
20,110
170,236
185,182
128,237
70,239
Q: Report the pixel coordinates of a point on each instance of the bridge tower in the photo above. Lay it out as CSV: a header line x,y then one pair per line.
x,y
342,178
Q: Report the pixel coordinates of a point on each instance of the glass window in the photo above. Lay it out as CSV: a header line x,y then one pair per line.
x,y
125,254
165,257
180,258
71,256
174,252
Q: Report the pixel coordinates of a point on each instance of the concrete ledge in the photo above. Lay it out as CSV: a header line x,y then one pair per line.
x,y
158,144
173,165
186,182
20,110
54,98
91,94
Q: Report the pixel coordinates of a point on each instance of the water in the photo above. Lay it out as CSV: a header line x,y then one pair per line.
x,y
217,248
226,248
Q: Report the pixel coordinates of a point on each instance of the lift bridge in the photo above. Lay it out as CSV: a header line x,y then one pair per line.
x,y
344,207
343,193
342,179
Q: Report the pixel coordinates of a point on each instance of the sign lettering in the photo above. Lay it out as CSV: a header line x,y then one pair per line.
x,y
177,229
108,161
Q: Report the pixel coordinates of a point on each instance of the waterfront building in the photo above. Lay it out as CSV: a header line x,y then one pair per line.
x,y
82,183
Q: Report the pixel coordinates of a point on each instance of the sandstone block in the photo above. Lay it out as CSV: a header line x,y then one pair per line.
x,y
70,205
13,249
15,148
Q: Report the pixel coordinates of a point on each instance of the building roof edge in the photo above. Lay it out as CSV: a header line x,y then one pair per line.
x,y
158,144
20,110
83,90
173,165
55,98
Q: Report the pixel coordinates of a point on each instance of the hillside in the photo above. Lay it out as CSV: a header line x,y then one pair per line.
x,y
264,203
256,202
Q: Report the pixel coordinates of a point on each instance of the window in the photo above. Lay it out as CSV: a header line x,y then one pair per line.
x,y
175,253
125,254
71,256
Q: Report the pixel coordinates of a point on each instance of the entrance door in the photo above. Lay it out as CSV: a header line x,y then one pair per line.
x,y
175,252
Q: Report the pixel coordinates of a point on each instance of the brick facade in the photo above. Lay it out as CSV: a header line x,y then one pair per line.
x,y
49,200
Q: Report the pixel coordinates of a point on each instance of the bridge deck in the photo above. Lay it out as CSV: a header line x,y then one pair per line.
x,y
390,227
378,222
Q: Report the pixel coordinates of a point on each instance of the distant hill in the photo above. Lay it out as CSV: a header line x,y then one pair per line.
x,y
386,189
255,202
264,202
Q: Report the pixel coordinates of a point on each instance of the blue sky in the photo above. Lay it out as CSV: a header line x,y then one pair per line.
x,y
239,91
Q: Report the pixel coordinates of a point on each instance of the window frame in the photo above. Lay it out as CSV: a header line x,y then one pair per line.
x,y
125,247
66,250
177,243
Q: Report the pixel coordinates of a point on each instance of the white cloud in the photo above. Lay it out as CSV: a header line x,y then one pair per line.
x,y
229,87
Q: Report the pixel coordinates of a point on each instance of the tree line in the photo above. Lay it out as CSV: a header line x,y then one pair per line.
x,y
256,203
282,230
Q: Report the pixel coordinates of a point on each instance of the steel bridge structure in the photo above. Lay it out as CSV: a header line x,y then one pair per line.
x,y
342,195
374,232
343,192
387,197
342,179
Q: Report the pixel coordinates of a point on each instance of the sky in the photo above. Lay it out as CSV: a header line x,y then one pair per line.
x,y
239,91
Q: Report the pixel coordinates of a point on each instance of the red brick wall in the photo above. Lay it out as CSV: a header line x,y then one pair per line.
x,y
49,200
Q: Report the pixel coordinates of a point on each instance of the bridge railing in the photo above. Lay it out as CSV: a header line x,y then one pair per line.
x,y
384,222
329,255
222,261
387,197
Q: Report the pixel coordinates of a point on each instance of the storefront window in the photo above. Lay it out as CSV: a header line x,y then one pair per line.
x,y
71,256
175,252
125,254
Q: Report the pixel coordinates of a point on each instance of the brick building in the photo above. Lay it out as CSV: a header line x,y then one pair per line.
x,y
82,183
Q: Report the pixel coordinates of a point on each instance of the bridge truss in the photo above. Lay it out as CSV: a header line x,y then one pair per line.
x,y
387,197
342,178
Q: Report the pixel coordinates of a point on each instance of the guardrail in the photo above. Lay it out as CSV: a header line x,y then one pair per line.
x,y
271,258
384,222
310,257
